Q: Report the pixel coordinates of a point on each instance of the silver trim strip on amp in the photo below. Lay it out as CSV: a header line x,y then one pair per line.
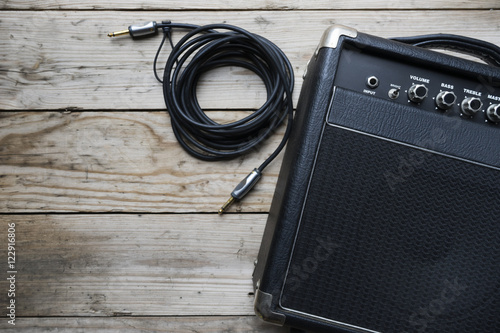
x,y
413,146
404,143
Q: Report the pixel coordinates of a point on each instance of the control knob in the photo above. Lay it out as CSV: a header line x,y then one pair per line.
x,y
445,100
417,93
493,113
470,106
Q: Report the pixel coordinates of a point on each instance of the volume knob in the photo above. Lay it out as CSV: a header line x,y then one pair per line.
x,y
493,113
417,93
445,100
472,105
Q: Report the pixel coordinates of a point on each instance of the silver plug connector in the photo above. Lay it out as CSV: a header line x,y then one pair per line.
x,y
134,31
242,189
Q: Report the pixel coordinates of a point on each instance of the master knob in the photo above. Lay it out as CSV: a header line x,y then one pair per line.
x,y
445,100
470,106
493,113
417,93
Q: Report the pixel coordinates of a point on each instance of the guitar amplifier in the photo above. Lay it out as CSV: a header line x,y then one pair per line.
x,y
386,215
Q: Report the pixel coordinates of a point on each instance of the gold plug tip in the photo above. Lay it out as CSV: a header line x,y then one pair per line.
x,y
118,33
228,203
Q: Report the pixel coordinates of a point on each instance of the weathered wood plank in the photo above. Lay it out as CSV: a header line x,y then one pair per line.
x,y
215,324
117,161
137,265
61,60
240,4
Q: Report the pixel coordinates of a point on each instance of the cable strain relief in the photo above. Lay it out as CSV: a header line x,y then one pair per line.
x,y
246,184
166,29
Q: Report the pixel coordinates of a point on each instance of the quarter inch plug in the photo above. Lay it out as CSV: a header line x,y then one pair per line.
x,y
135,31
242,189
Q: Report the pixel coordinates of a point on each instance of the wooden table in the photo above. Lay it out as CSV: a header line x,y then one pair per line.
x,y
116,227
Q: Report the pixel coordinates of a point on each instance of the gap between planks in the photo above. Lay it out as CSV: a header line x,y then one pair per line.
x,y
142,265
47,64
242,5
179,324
118,162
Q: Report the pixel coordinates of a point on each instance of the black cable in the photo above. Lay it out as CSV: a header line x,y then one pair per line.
x,y
205,48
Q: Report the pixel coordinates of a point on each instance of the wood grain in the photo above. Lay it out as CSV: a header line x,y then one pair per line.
x,y
81,144
63,60
118,162
212,324
245,5
134,265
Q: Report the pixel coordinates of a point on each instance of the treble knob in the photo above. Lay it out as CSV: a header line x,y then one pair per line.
x,y
472,105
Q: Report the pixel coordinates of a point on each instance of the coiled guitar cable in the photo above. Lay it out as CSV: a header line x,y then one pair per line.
x,y
202,49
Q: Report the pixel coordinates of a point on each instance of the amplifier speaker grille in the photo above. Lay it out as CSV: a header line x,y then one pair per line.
x,y
419,254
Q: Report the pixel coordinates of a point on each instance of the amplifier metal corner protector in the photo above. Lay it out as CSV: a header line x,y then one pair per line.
x,y
386,215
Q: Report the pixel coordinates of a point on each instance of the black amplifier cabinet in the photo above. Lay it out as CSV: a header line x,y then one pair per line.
x,y
386,216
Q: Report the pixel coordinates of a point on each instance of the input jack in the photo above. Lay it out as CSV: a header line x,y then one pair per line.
x,y
372,82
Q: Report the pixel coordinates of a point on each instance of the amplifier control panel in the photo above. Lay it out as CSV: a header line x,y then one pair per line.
x,y
474,99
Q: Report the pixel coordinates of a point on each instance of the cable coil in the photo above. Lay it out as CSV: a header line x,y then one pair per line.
x,y
203,49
